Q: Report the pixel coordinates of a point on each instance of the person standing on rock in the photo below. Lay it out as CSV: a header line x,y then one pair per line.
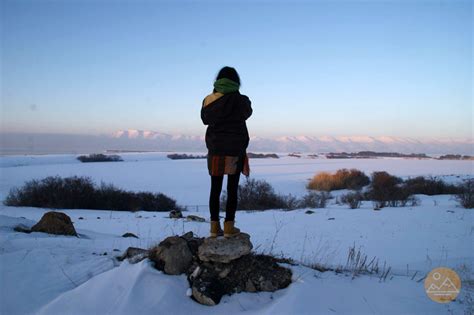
x,y
225,111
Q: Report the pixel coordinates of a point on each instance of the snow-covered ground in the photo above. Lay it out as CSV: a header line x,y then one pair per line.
x,y
188,180
48,274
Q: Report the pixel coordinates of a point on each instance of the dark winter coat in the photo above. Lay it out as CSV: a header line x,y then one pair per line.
x,y
225,115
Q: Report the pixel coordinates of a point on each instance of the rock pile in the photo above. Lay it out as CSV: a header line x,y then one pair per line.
x,y
218,266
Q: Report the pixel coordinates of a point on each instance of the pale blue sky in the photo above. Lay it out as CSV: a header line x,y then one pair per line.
x,y
396,68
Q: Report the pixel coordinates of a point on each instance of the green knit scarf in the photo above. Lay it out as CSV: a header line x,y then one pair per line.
x,y
225,86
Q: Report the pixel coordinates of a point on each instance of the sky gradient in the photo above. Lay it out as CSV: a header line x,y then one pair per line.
x,y
395,68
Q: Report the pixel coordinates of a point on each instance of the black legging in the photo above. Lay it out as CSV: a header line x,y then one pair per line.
x,y
216,188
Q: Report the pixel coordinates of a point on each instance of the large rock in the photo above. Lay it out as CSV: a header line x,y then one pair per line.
x,y
224,250
172,255
55,223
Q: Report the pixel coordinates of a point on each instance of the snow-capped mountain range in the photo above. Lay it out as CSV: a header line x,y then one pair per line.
x,y
147,140
309,143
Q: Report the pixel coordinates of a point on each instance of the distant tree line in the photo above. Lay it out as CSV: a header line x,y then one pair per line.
x,y
371,154
456,157
99,157
183,156
262,155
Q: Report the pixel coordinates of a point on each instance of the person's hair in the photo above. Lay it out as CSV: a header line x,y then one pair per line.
x,y
229,73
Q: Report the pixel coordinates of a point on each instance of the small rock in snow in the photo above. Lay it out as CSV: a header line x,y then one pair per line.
x,y
195,218
128,234
175,214
134,255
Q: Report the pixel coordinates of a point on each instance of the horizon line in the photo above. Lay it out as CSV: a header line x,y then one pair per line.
x,y
274,137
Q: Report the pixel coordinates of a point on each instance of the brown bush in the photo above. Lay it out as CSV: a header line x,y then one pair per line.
x,y
342,179
321,181
385,190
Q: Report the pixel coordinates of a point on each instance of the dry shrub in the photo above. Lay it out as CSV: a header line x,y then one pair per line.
x,y
321,181
259,195
352,179
81,193
430,186
466,196
314,200
353,200
342,179
386,190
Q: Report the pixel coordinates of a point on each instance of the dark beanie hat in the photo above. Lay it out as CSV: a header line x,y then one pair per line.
x,y
229,73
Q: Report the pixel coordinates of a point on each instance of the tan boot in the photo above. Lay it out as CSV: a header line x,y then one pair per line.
x,y
229,229
216,229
